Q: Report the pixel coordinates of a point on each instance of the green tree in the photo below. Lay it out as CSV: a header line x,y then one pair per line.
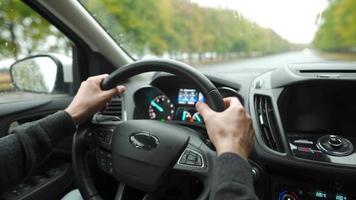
x,y
180,27
23,31
338,29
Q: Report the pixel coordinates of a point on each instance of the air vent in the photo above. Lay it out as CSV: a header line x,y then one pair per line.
x,y
267,122
114,108
327,71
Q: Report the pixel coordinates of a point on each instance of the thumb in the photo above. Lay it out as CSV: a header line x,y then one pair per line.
x,y
203,109
114,91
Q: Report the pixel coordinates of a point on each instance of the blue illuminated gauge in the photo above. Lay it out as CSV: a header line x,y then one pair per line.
x,y
320,194
186,116
161,108
287,196
339,196
197,118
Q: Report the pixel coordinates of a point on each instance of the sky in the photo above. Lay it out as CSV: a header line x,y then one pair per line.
x,y
294,20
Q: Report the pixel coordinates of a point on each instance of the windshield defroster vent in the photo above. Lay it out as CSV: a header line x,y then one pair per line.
x,y
267,122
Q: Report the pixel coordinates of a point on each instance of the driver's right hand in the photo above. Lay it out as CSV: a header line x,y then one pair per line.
x,y
230,131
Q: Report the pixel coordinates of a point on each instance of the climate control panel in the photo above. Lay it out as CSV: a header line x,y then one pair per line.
x,y
310,194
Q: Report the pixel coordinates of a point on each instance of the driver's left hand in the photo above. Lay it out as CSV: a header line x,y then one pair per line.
x,y
90,98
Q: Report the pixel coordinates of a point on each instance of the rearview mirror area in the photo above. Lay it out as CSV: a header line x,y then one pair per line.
x,y
39,74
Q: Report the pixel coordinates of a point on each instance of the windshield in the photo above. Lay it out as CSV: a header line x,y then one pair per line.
x,y
210,31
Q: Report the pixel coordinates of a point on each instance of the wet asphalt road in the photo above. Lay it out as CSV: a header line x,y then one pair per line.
x,y
264,63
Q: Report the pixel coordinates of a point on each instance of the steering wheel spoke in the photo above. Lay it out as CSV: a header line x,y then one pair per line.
x,y
104,160
101,136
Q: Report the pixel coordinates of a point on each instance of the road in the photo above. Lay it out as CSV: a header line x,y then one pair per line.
x,y
265,63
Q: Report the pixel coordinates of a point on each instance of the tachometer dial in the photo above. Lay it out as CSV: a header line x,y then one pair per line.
x,y
161,108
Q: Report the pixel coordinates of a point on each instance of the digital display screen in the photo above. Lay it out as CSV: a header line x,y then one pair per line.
x,y
188,114
189,96
301,194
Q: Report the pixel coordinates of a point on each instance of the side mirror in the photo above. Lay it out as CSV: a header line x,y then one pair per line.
x,y
40,74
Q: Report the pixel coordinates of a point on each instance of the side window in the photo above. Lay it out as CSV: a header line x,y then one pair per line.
x,y
38,48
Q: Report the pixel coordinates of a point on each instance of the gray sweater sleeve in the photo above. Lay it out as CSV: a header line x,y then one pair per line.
x,y
232,179
29,144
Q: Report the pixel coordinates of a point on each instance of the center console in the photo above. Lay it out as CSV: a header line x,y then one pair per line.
x,y
319,121
304,117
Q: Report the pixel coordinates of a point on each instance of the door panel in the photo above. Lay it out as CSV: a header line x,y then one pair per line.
x,y
30,110
46,185
54,177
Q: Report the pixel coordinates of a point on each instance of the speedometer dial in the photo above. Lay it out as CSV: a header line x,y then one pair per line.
x,y
161,108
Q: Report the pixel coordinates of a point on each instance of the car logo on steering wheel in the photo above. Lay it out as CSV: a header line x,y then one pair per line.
x,y
144,140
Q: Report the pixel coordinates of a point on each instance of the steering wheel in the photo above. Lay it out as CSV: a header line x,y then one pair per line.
x,y
140,153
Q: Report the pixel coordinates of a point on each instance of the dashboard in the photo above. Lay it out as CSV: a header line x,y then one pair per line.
x,y
303,116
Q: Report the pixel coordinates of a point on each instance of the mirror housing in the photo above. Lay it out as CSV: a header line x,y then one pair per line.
x,y
40,74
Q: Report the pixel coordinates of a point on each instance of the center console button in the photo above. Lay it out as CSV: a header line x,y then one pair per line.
x,y
335,141
335,145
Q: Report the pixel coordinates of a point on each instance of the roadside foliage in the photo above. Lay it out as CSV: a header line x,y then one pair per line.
x,y
178,29
181,28
338,27
23,32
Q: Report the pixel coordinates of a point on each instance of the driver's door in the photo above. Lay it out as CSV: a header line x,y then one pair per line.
x,y
25,33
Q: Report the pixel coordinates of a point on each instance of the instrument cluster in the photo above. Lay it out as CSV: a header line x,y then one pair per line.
x,y
172,104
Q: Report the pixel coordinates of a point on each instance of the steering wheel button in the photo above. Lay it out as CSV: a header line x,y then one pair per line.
x,y
192,157
190,162
198,162
183,160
